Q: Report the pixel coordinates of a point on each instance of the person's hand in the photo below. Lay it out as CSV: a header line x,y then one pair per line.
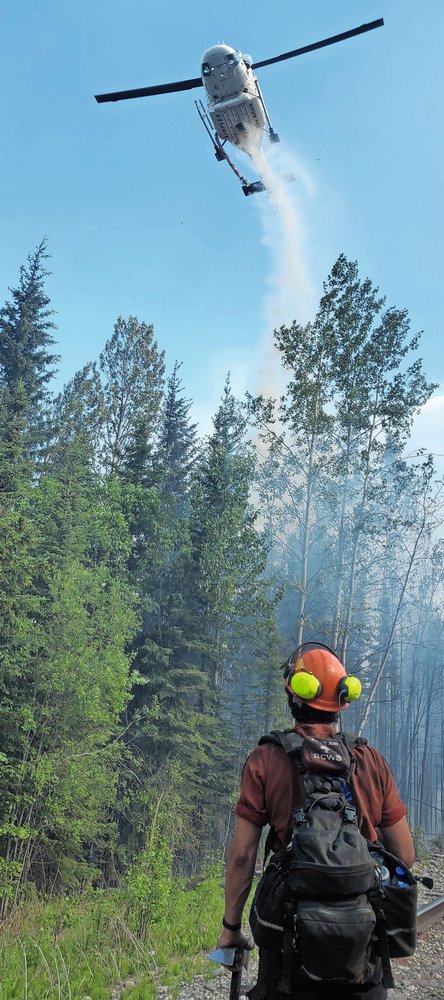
x,y
238,940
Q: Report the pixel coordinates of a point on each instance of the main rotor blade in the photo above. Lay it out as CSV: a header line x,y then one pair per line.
x,y
170,88
320,45
162,88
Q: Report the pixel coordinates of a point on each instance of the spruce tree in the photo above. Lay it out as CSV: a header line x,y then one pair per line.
x,y
233,610
26,362
177,445
166,723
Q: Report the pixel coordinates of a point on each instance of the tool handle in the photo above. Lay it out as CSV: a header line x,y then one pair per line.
x,y
235,985
236,975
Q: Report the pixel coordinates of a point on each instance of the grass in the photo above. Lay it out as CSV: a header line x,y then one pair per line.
x,y
78,948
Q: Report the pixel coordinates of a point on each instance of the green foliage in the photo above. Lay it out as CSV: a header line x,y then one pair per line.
x,y
130,588
82,946
150,883
177,446
132,370
10,871
65,676
26,365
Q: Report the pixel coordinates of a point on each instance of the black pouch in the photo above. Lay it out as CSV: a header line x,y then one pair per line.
x,y
345,928
267,908
399,906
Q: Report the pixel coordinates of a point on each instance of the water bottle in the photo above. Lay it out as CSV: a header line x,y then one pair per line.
x,y
382,870
384,875
399,878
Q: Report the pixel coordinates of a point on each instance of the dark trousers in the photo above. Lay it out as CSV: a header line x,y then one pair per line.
x,y
269,975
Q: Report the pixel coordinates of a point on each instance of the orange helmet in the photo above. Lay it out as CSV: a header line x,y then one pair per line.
x,y
316,676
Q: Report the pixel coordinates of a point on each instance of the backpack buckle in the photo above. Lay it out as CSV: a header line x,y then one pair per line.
x,y
350,814
299,816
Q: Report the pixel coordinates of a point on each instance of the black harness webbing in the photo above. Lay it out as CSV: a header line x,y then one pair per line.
x,y
381,932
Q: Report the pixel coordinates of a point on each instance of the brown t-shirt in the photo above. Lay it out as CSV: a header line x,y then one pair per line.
x,y
270,788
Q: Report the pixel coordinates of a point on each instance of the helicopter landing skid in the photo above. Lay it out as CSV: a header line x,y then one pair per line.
x,y
220,154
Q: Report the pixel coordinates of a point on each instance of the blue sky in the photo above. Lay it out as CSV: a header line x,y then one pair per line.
x,y
141,219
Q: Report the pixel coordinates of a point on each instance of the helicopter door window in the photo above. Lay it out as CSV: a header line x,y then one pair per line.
x,y
206,69
232,59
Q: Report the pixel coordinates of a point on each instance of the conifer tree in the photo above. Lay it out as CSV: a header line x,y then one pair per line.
x,y
77,420
67,616
177,445
26,362
232,608
132,369
166,723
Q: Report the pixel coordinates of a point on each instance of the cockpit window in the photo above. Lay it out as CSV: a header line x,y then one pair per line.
x,y
232,59
206,69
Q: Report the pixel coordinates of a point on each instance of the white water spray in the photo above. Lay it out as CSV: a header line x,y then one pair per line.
x,y
289,296
291,293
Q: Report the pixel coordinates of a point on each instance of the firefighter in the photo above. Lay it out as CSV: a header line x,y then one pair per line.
x,y
318,690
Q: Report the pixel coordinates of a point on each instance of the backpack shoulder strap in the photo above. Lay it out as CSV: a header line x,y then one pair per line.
x,y
291,742
352,741
288,739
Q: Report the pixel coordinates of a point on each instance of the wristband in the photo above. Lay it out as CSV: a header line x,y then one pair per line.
x,y
230,927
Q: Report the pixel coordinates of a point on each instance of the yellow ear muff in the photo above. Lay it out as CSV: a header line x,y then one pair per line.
x,y
350,688
305,685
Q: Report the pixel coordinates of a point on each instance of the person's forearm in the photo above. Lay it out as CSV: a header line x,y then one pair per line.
x,y
238,880
398,840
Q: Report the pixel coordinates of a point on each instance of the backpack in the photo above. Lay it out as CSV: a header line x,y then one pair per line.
x,y
319,901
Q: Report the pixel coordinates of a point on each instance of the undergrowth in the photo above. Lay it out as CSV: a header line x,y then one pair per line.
x,y
421,843
80,947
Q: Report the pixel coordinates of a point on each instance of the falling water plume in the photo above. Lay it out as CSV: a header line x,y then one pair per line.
x,y
289,295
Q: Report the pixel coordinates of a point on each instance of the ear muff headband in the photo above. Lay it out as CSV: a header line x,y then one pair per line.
x,y
305,685
307,646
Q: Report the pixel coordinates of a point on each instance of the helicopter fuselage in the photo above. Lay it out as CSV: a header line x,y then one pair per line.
x,y
235,102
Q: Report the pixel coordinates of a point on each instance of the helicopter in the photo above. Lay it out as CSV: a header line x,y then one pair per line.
x,y
236,111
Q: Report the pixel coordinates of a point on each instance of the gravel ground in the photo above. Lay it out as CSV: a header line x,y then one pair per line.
x,y
420,977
